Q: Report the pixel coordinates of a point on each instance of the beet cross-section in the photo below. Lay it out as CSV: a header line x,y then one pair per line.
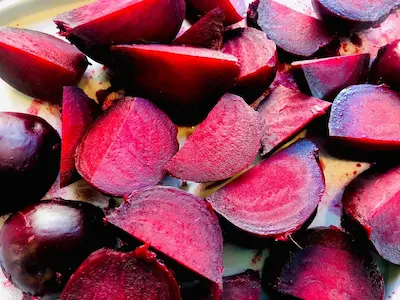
x,y
245,286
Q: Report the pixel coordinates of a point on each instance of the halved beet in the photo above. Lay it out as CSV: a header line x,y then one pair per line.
x,y
257,58
316,76
294,32
78,113
127,148
37,64
224,144
285,113
276,197
110,275
373,200
176,223
367,116
245,286
181,80
325,264
208,32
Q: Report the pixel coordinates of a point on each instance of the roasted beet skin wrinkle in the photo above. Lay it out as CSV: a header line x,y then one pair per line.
x,y
286,112
127,147
245,286
78,113
225,143
110,275
275,198
56,63
317,74
367,116
176,223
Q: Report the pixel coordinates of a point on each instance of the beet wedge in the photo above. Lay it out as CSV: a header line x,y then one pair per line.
x,y
366,116
275,198
110,275
78,113
177,224
225,143
285,113
245,286
316,76
373,200
257,58
55,63
127,148
329,265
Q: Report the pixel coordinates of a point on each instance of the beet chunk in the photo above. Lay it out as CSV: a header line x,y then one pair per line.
x,y
317,74
245,286
285,113
42,245
366,116
127,148
257,58
55,63
177,224
110,275
78,113
232,132
276,197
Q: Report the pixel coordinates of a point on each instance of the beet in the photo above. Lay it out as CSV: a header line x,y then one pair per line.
x,y
111,275
42,245
276,197
285,113
257,58
127,148
245,286
294,32
98,25
180,80
317,74
232,132
366,116
78,113
327,266
177,224
55,63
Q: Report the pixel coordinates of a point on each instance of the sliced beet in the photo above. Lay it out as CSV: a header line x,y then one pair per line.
x,y
55,63
366,116
127,148
78,113
224,144
176,223
181,80
285,113
208,32
257,58
110,275
245,286
317,74
276,197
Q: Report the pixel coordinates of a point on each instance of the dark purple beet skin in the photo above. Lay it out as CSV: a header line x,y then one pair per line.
x,y
42,245
245,286
29,159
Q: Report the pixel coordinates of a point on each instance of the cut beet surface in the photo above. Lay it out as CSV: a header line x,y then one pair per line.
x,y
276,197
127,148
78,113
326,77
177,224
224,144
110,275
37,64
367,116
245,286
285,113
257,58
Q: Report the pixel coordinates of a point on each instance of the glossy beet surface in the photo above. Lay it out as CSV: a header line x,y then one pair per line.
x,y
29,159
42,245
245,286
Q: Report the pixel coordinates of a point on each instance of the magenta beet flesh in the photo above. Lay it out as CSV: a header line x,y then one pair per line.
x,y
127,147
276,197
176,223
42,245
245,286
225,143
